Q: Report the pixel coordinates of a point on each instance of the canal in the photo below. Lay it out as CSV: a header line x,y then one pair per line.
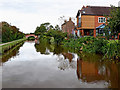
x,y
49,66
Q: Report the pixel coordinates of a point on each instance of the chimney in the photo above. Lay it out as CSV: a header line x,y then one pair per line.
x,y
65,21
83,7
70,19
87,6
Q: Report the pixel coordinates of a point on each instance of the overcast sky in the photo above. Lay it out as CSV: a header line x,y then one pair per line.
x,y
28,14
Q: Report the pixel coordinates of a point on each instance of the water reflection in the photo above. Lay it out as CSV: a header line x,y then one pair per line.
x,y
11,53
54,66
93,72
45,48
89,67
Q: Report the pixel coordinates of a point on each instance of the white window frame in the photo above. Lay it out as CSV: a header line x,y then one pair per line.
x,y
99,20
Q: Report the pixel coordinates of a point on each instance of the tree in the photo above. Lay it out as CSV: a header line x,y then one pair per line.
x,y
114,21
40,30
57,27
51,27
10,33
46,25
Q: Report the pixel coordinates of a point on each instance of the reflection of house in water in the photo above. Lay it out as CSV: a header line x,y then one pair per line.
x,y
67,61
88,71
93,72
68,56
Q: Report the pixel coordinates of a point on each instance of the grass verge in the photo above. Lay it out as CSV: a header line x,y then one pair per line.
x,y
8,46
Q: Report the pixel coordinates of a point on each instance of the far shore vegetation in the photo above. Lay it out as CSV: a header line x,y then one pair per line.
x,y
110,49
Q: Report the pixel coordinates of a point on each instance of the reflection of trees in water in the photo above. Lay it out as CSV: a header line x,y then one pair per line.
x,y
89,67
58,50
11,53
43,48
91,57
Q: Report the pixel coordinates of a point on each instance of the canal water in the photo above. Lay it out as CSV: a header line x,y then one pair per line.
x,y
49,66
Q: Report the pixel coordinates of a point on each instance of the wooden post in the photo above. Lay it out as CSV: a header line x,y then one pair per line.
x,y
94,32
82,32
77,21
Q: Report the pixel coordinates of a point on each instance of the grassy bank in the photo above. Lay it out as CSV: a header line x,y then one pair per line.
x,y
11,53
108,48
10,45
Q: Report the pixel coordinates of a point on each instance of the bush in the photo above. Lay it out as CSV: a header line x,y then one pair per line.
x,y
113,50
97,46
58,35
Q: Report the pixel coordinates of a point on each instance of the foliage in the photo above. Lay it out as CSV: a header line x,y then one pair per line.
x,y
110,49
57,27
113,50
51,27
58,35
10,33
52,40
86,44
71,36
97,46
114,21
79,43
40,30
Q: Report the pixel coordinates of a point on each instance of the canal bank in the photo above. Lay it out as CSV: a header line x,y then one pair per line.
x,y
7,46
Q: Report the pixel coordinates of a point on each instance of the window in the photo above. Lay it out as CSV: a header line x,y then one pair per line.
x,y
79,23
101,19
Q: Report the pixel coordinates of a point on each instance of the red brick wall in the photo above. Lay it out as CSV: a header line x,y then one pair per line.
x,y
68,27
96,21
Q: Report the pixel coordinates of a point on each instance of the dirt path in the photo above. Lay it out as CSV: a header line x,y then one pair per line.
x,y
8,42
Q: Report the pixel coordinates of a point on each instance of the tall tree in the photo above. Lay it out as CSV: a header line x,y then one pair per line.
x,y
40,30
114,20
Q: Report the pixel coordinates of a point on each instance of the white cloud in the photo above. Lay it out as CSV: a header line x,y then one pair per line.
x,y
27,14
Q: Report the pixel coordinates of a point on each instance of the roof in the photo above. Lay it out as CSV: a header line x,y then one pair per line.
x,y
101,26
94,10
67,22
64,23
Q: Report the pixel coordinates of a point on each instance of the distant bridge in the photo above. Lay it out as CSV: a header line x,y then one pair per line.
x,y
31,35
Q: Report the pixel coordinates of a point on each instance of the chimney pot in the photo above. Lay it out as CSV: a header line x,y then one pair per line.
x,y
70,19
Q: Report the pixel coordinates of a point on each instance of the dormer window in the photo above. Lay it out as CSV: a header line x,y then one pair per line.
x,y
101,19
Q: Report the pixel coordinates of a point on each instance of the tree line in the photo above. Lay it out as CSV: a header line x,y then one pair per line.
x,y
10,33
50,33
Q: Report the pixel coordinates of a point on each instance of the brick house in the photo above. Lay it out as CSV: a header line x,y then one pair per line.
x,y
91,20
68,26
